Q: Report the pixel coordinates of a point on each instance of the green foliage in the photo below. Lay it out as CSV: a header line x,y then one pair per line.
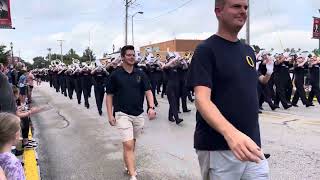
x,y
3,54
317,52
88,55
40,62
67,59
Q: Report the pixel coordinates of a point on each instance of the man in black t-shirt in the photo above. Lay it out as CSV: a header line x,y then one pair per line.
x,y
223,75
126,90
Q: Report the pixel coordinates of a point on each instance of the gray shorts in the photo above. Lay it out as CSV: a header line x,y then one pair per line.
x,y
223,165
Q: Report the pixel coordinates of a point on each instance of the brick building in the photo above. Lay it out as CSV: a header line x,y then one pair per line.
x,y
178,45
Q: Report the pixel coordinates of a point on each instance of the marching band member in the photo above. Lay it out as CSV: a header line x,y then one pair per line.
x,y
100,76
282,81
170,69
86,83
314,79
300,65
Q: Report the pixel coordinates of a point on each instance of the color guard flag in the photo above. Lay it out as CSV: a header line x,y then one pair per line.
x,y
316,28
5,15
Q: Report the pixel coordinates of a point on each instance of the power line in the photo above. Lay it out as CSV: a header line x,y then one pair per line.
x,y
168,12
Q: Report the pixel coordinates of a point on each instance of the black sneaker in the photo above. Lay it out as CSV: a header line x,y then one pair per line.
x,y
178,121
32,141
29,145
18,152
171,119
267,156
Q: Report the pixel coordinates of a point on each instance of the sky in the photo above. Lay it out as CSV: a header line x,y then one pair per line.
x,y
277,24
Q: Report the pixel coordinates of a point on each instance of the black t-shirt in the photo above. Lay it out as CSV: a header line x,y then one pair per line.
x,y
128,90
7,100
228,69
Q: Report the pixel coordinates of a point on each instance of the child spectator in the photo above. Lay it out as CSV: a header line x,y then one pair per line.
x,y
9,136
23,86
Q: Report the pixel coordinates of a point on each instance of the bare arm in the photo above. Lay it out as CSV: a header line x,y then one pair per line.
x,y
2,175
149,96
109,105
151,112
241,145
210,112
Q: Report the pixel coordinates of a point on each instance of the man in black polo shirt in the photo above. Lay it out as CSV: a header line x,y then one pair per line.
x,y
126,90
224,78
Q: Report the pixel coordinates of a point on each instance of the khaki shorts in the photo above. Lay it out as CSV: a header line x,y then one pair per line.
x,y
130,127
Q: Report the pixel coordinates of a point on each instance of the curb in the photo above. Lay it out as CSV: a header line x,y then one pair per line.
x,y
30,159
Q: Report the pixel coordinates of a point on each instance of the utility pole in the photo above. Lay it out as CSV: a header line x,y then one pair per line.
x,y
126,22
248,25
61,41
49,49
11,46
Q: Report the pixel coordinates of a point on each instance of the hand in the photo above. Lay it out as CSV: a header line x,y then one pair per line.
x,y
35,110
112,121
152,114
243,147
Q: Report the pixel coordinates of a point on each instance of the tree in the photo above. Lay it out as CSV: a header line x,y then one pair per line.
x,y
54,56
286,50
316,52
88,55
3,54
40,62
67,59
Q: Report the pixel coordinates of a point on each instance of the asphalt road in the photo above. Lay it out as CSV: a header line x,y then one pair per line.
x,y
77,143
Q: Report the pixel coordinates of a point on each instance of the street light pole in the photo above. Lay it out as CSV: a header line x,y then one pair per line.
x,y
126,23
140,12
49,49
61,41
248,25
11,46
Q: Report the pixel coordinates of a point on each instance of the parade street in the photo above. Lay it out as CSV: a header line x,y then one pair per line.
x,y
77,143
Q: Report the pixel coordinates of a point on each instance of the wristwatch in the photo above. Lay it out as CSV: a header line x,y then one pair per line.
x,y
151,108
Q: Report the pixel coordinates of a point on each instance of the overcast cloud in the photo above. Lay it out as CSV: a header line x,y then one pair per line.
x,y
40,23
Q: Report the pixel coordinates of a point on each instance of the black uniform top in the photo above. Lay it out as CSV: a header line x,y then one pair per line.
x,y
262,68
172,76
128,90
228,69
300,70
314,73
86,76
100,78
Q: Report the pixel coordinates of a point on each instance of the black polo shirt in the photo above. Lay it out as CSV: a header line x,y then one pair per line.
x,y
228,69
128,90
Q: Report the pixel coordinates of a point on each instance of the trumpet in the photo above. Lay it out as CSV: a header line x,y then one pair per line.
x,y
56,62
188,56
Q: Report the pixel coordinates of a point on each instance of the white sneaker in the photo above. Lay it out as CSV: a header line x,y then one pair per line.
x,y
133,178
126,171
